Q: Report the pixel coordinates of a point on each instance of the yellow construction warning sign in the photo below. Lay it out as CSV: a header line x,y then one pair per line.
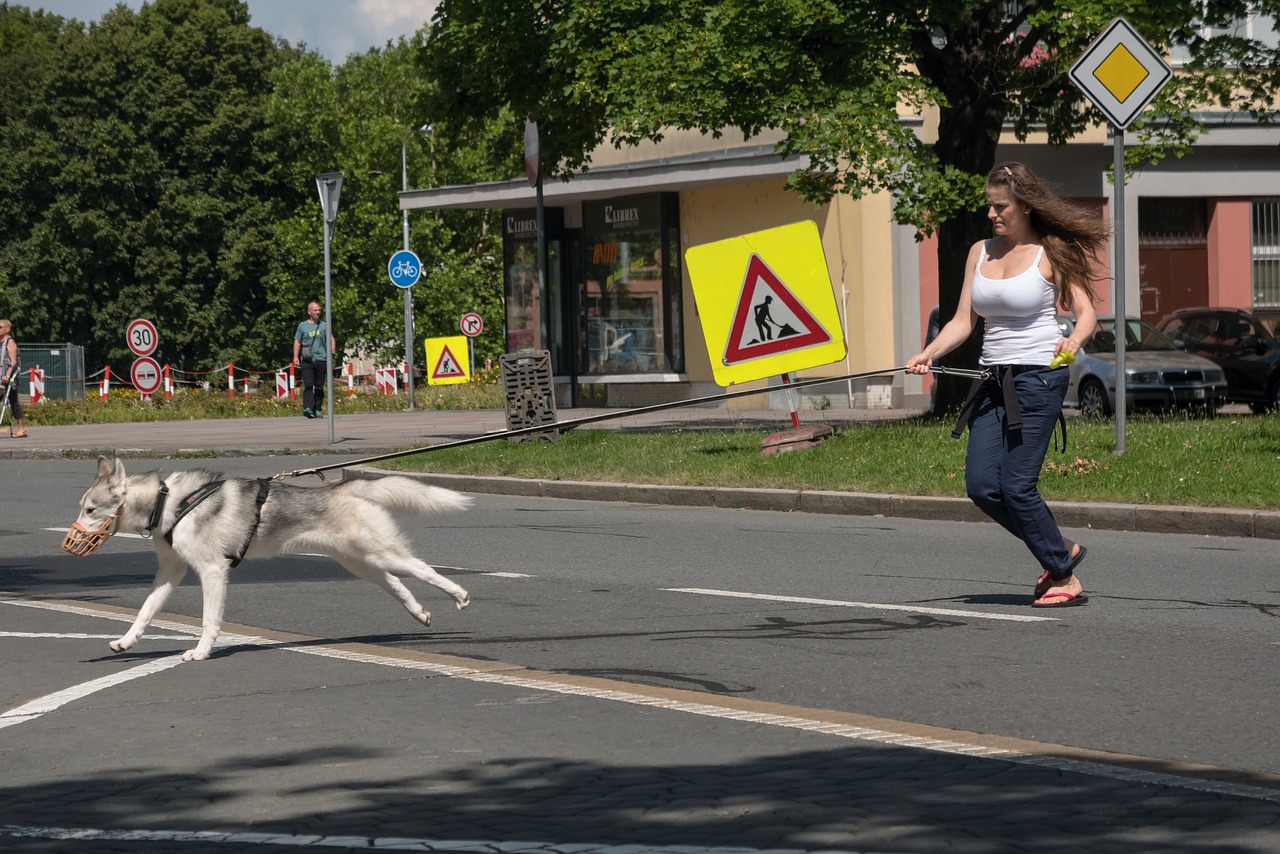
x,y
448,360
766,303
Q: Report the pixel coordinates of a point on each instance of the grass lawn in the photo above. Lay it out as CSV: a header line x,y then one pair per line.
x,y
1229,461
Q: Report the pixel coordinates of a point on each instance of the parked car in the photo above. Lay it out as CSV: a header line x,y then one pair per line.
x,y
1236,341
1158,374
1270,318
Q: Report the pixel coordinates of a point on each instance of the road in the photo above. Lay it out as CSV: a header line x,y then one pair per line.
x,y
643,678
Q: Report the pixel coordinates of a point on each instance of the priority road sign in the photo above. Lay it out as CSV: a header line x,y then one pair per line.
x,y
141,337
1120,73
766,303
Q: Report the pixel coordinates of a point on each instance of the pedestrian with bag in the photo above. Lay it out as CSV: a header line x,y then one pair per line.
x,y
1040,259
10,372
312,346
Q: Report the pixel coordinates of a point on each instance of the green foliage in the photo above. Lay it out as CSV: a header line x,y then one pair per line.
x,y
141,193
356,119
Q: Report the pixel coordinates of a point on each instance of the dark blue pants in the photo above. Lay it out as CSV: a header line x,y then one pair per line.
x,y
1002,467
315,375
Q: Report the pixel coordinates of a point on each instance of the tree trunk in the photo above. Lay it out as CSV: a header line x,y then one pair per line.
x,y
960,146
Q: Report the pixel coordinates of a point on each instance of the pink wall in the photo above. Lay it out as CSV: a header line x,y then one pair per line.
x,y
1230,253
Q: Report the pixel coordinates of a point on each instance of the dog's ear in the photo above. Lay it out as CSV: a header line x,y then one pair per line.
x,y
117,475
104,466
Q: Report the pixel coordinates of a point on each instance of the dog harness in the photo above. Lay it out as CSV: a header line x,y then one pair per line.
x,y
192,501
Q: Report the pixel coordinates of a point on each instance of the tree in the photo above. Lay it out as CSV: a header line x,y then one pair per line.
x,y
835,78
143,194
354,119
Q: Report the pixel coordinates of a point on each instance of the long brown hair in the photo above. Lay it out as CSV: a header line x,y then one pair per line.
x,y
1072,236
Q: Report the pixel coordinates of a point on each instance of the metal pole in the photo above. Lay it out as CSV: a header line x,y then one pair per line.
x,y
543,288
408,292
328,325
1122,322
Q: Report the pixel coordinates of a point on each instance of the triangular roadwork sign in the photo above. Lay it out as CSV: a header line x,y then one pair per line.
x,y
447,366
769,319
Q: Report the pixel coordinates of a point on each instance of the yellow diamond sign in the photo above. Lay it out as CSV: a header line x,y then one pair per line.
x,y
1120,73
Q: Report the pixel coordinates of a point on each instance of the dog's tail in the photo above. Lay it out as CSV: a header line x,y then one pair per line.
x,y
402,493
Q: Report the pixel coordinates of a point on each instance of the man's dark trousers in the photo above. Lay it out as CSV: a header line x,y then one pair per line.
x,y
314,377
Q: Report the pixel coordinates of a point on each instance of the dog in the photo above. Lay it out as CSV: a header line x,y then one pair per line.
x,y
201,520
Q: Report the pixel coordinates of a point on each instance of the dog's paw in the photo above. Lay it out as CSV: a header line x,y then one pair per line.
x,y
464,601
120,645
196,654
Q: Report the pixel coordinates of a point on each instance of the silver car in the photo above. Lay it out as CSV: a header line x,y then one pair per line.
x,y
1158,374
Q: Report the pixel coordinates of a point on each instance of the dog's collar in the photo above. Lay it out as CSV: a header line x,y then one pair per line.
x,y
157,510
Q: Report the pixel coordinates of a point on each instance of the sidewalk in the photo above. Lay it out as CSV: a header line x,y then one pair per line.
x,y
370,434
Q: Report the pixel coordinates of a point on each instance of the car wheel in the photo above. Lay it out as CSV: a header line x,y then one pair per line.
x,y
1093,399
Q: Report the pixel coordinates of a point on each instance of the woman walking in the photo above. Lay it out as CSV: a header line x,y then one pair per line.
x,y
1039,260
10,365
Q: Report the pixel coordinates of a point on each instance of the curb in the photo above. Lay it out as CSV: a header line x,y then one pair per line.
x,y
1139,518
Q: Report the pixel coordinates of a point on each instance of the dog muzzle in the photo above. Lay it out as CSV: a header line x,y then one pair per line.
x,y
81,542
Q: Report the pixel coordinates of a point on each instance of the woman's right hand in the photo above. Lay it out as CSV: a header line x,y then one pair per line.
x,y
919,363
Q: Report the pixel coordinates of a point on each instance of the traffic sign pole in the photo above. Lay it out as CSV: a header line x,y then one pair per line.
x,y
1120,74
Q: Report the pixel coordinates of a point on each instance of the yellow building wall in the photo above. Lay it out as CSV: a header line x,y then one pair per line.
x,y
856,238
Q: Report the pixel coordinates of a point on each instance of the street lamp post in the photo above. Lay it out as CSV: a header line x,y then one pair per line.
x,y
408,292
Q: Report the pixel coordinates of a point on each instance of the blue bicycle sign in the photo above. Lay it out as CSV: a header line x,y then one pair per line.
x,y
404,268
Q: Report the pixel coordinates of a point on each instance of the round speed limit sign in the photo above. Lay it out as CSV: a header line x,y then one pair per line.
x,y
142,338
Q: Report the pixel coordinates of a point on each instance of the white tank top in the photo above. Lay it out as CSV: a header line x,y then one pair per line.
x,y
1021,315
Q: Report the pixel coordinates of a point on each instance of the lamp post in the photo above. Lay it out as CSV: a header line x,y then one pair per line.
x,y
408,292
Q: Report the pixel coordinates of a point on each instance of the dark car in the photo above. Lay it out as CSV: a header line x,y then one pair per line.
x,y
1158,375
1238,342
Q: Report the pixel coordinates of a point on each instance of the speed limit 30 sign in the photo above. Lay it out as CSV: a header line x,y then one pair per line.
x,y
141,336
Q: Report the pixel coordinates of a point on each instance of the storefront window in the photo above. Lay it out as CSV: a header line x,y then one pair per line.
x,y
531,307
630,298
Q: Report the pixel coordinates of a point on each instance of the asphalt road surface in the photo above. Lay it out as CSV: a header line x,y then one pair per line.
x,y
634,678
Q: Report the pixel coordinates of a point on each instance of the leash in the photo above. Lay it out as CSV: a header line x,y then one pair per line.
x,y
622,413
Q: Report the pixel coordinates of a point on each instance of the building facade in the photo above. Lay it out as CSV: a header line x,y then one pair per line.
x,y
617,311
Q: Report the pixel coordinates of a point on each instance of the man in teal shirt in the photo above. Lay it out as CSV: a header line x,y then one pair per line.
x,y
312,346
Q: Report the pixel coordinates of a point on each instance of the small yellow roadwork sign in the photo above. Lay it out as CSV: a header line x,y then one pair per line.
x,y
447,360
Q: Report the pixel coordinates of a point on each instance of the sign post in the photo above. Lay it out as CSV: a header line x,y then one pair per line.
x,y
471,325
330,186
142,339
1120,74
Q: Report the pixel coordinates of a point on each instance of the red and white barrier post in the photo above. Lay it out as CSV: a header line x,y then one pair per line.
x,y
168,384
37,385
105,386
231,381
282,384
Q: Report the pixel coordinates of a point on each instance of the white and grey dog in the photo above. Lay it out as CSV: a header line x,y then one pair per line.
x,y
201,520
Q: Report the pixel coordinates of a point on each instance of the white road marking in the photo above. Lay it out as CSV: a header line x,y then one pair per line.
x,y
49,702
361,843
874,606
546,682
79,636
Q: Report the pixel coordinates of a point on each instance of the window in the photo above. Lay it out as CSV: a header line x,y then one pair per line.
x,y
1172,222
630,294
1261,28
1266,253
